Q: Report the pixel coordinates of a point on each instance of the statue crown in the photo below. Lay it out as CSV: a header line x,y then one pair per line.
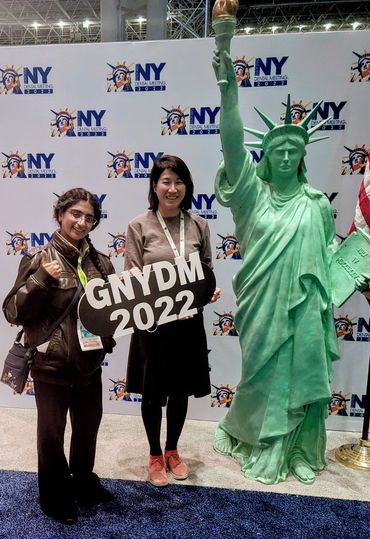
x,y
286,129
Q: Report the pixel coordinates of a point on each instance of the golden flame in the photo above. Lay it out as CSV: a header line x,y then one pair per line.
x,y
225,8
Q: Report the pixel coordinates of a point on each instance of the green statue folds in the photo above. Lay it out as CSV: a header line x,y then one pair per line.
x,y
276,423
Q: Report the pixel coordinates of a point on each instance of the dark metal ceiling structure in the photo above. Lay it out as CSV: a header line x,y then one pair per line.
x,y
24,22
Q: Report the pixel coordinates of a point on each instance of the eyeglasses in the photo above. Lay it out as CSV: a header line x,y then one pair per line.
x,y
78,215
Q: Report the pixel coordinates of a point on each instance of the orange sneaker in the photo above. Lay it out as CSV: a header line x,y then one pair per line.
x,y
157,475
175,465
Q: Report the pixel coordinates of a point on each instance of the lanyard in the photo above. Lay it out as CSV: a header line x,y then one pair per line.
x,y
169,237
81,274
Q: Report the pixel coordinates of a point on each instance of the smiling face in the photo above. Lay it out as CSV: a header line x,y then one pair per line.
x,y
75,229
170,190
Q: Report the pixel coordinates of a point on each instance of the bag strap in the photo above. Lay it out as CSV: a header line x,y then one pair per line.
x,y
61,317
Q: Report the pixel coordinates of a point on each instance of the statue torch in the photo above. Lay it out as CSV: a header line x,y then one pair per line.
x,y
223,24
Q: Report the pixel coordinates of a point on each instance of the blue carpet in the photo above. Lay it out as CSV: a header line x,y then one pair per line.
x,y
141,511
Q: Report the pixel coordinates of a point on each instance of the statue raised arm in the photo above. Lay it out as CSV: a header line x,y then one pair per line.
x,y
276,422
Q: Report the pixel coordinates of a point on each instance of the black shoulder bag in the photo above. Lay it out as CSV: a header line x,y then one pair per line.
x,y
19,359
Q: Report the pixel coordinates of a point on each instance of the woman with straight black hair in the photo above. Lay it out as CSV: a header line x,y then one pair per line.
x,y
169,363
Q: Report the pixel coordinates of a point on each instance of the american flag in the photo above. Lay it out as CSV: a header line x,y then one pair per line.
x,y
362,214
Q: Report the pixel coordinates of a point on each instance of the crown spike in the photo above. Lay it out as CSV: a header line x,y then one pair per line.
x,y
312,130
258,134
270,124
254,144
317,139
288,114
305,121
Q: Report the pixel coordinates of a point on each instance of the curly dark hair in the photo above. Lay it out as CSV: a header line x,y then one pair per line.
x,y
66,201
177,165
71,197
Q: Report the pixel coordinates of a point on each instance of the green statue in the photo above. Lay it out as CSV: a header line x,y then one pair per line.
x,y
276,422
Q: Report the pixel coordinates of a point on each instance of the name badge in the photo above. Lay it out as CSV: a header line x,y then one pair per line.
x,y
88,341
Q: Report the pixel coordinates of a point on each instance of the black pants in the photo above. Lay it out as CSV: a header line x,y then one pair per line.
x,y
85,409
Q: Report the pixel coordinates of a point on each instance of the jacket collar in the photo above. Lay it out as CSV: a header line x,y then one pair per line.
x,y
69,251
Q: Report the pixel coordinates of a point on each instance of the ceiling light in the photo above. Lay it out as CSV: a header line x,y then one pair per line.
x,y
274,28
247,29
355,25
327,26
86,23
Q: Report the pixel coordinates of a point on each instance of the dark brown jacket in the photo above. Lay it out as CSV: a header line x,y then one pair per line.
x,y
37,300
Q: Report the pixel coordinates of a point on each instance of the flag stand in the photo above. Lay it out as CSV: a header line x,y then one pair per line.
x,y
357,455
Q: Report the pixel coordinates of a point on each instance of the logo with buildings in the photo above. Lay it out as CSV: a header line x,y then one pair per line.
x,y
228,247
264,72
355,160
224,325
118,392
299,110
117,247
222,396
28,165
360,68
27,80
88,123
146,77
190,120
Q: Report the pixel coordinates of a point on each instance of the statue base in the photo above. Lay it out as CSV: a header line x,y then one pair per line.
x,y
356,456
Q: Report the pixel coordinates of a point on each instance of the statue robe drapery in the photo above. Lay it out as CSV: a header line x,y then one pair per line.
x,y
285,323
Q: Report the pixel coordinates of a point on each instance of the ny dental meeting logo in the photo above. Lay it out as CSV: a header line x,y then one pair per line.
x,y
338,403
202,204
355,160
146,77
267,71
27,80
118,392
228,247
222,397
17,243
125,164
80,123
360,68
28,165
345,328
299,110
117,247
224,325
190,121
